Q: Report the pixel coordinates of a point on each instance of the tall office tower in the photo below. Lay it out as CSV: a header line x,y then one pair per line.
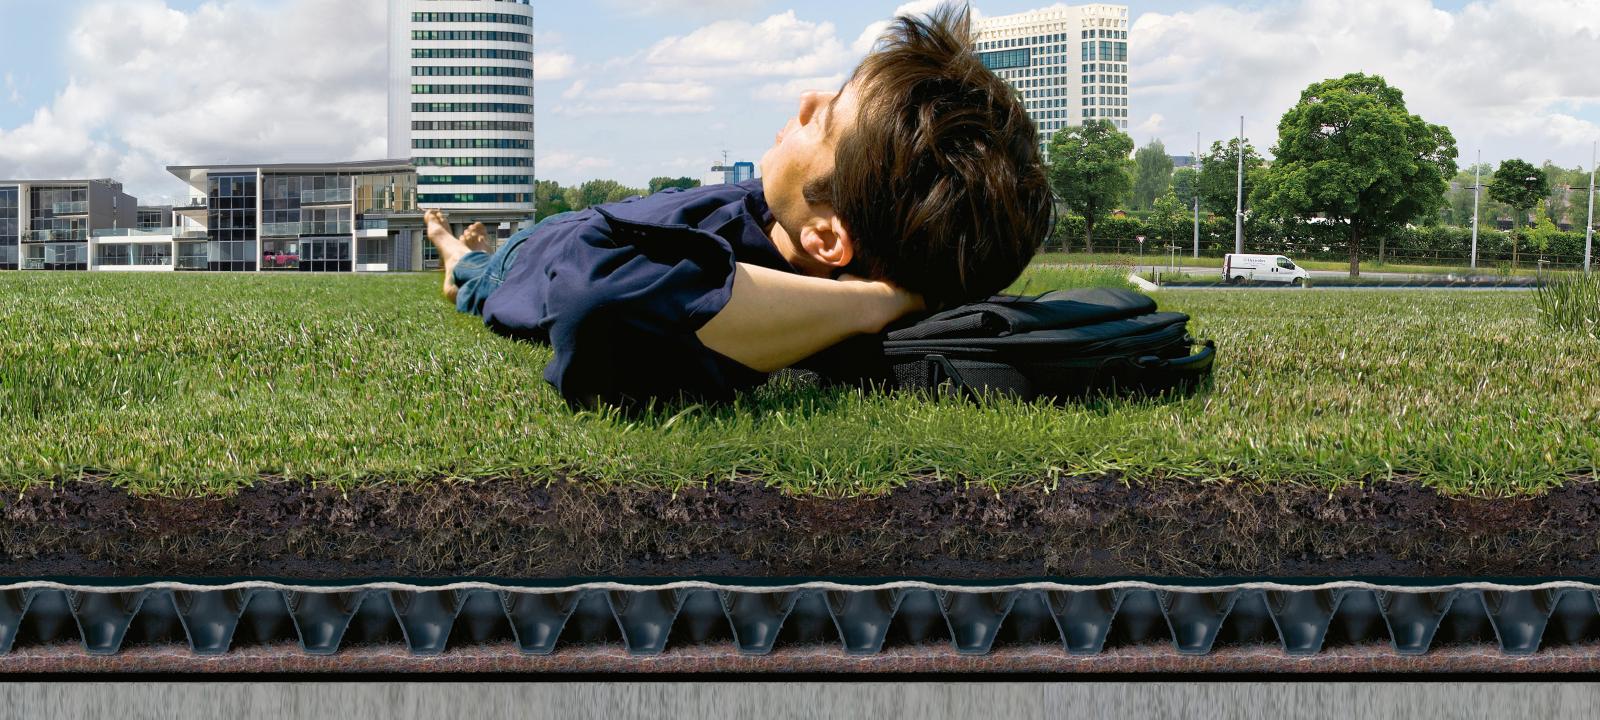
x,y
1069,63
461,102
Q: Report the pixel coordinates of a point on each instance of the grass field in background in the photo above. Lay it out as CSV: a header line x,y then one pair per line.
x,y
194,384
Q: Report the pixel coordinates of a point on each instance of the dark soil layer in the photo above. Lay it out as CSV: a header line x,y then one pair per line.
x,y
524,530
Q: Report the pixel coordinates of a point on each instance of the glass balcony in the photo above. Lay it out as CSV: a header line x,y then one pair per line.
x,y
375,224
194,202
40,236
325,228
282,229
70,208
334,195
132,233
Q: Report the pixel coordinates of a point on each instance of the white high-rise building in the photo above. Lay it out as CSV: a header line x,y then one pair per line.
x,y
1069,63
461,101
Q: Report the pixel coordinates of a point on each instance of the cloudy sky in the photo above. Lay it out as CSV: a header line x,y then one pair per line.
x,y
632,89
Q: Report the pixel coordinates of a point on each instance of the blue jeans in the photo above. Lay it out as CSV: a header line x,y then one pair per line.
x,y
478,274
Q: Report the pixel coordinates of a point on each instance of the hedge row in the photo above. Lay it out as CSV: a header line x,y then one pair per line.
x,y
1440,244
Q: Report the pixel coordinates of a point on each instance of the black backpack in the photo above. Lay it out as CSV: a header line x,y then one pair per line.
x,y
1063,345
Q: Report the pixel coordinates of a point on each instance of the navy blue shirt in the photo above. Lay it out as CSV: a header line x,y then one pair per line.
x,y
619,291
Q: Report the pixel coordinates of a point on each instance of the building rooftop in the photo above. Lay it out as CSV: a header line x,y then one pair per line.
x,y
194,174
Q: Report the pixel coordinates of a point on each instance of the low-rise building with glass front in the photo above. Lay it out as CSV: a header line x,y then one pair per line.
x,y
296,217
47,224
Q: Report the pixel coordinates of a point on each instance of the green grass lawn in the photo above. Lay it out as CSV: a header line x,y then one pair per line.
x,y
1187,260
192,384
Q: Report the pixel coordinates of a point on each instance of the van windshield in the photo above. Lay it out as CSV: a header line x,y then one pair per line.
x,y
1285,264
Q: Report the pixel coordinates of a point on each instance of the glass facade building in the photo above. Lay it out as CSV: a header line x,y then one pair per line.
x,y
1069,63
329,217
46,224
461,96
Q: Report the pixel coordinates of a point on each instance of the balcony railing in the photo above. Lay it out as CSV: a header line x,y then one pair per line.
x,y
282,229
70,208
334,195
293,229
325,228
132,233
44,236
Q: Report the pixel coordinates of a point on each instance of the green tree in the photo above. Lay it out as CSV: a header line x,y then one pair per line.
x,y
549,198
1351,152
1184,181
1544,231
1152,174
1218,182
1090,171
1170,217
663,183
599,192
1521,186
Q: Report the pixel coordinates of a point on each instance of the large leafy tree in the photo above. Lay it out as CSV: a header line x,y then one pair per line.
x,y
1090,171
1219,176
664,183
599,192
1351,152
1170,217
1152,174
549,198
1521,186
1185,182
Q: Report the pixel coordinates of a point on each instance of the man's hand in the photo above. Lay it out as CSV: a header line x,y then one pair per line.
x,y
776,319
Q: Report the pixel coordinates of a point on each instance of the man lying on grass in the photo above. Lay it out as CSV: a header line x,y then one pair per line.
x,y
917,186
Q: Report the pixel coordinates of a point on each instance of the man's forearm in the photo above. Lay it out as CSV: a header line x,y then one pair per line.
x,y
776,319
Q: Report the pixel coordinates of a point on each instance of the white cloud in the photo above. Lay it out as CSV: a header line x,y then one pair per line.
x,y
1512,75
572,162
12,94
553,65
677,92
779,46
869,37
230,82
789,91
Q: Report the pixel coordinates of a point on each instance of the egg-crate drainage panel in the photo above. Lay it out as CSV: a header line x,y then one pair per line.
x,y
606,624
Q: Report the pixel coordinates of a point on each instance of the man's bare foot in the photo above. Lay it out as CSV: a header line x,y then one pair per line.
x,y
451,249
476,238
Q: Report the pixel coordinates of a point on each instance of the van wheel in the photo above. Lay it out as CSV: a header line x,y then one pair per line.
x,y
1299,282
1237,280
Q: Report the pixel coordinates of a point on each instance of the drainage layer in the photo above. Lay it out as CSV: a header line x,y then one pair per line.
x,y
644,621
1078,527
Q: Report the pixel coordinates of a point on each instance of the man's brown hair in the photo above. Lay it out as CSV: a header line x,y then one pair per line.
x,y
940,182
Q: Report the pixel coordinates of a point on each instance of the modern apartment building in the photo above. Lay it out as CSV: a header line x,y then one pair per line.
x,y
321,217
729,174
47,224
461,103
1069,62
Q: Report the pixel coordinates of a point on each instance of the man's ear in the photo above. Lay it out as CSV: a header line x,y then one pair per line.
x,y
827,241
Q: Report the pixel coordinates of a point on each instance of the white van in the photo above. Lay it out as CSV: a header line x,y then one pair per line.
x,y
1262,268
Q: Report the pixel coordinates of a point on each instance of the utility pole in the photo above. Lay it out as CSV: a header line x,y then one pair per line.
x,y
1477,189
1588,230
1238,208
1194,189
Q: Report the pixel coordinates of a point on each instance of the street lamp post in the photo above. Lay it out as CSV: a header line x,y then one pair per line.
x,y
1238,208
1477,189
1588,229
1194,189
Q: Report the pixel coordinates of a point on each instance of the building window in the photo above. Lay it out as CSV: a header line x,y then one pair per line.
x,y
474,180
472,126
471,71
470,17
435,199
472,36
471,54
472,162
470,143
231,210
472,108
471,90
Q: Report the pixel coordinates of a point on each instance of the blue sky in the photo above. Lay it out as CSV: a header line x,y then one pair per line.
x,y
631,90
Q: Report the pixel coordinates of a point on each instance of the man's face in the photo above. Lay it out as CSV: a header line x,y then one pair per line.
x,y
804,152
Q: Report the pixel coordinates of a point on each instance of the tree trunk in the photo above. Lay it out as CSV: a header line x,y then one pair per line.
x,y
1355,250
1382,240
1088,232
